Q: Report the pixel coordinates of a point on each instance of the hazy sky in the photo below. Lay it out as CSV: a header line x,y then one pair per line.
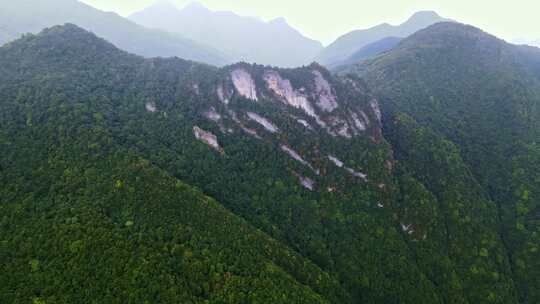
x,y
325,20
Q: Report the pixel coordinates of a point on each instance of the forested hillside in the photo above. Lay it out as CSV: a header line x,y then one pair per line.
x,y
181,182
85,219
480,94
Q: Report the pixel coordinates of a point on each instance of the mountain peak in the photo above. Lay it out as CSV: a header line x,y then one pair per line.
x,y
423,19
164,4
68,30
279,21
352,42
195,6
66,39
425,14
444,29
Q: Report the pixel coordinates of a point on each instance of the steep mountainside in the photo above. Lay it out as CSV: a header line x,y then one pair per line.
x,y
32,16
346,45
243,38
482,95
86,219
105,147
369,51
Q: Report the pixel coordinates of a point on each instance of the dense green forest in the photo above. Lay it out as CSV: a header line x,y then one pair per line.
x,y
162,181
481,95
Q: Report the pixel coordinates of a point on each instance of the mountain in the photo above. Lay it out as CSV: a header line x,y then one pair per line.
x,y
481,94
100,222
128,179
31,16
243,38
369,51
535,43
346,45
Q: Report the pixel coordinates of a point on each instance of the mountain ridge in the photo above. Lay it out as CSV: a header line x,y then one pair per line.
x,y
480,93
243,38
369,51
31,16
348,43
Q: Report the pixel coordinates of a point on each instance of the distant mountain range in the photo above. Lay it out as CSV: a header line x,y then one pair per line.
x,y
346,45
242,38
535,43
369,51
31,16
199,34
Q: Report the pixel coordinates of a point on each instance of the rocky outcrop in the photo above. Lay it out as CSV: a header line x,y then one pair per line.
x,y
151,107
221,95
268,125
306,182
297,157
213,115
340,164
207,137
244,84
376,109
304,123
283,88
327,100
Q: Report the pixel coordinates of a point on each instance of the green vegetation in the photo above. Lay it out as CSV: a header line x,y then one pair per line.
x,y
478,96
86,225
109,196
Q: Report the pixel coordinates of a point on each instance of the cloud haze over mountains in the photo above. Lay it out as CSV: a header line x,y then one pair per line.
x,y
31,16
242,38
348,44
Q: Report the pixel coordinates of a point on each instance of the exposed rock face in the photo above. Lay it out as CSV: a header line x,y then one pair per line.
x,y
221,95
251,132
304,123
376,109
294,154
361,124
342,127
151,107
297,157
306,182
314,105
268,125
340,164
206,137
283,88
196,89
244,84
407,228
357,174
336,161
327,100
213,115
